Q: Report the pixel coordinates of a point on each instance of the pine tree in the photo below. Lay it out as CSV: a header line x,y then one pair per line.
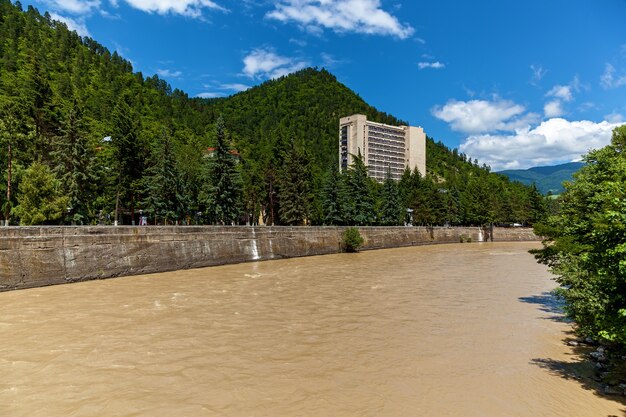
x,y
391,209
331,198
74,167
40,199
162,185
128,155
222,195
358,199
295,192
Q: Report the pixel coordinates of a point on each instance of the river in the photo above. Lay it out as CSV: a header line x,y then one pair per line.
x,y
446,330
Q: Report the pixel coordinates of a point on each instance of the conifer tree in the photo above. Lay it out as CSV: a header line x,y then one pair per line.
x,y
128,155
162,185
331,197
295,192
391,209
74,167
40,199
358,199
222,195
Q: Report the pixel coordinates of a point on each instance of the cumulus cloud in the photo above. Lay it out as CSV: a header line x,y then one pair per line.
x,y
265,63
558,95
359,16
553,108
77,24
553,141
478,116
614,117
610,80
433,65
563,92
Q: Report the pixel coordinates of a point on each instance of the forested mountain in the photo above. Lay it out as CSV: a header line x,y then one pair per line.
x,y
105,142
548,179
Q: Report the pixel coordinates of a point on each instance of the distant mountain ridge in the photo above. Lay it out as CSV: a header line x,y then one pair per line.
x,y
547,178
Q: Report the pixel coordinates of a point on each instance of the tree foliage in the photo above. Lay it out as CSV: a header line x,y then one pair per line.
x,y
585,243
40,199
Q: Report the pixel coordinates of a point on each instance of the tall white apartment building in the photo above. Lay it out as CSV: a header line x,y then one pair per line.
x,y
383,147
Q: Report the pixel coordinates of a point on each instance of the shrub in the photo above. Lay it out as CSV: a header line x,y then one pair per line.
x,y
352,240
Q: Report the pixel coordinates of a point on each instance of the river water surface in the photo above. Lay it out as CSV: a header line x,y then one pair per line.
x,y
448,330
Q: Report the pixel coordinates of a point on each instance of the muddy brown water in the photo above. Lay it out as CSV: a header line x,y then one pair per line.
x,y
448,330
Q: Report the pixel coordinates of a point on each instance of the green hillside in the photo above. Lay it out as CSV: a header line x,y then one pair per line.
x,y
548,179
102,139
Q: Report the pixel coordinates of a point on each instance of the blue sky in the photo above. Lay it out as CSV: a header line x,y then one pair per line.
x,y
513,84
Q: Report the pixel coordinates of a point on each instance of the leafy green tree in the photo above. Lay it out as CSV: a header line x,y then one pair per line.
x,y
223,193
295,188
40,200
391,212
585,243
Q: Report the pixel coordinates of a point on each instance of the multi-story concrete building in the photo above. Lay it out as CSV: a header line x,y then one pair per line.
x,y
383,147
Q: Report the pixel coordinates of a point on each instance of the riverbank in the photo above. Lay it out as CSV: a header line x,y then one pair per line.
x,y
41,256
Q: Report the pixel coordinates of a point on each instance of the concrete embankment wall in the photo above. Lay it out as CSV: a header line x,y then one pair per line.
x,y
40,256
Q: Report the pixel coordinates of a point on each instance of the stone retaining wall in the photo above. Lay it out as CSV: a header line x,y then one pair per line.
x,y
40,256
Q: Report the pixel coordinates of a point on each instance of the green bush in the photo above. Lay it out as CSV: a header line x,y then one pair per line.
x,y
352,240
466,238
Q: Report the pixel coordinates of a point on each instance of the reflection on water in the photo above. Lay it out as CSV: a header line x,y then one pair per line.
x,y
448,330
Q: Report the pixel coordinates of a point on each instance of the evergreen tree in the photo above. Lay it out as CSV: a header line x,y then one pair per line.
x,y
74,167
40,199
128,155
331,198
391,211
295,188
162,185
223,193
358,199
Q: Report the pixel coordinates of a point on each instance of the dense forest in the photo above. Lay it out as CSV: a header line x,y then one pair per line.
x,y
85,140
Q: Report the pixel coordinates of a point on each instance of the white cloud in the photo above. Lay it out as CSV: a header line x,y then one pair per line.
x,y
614,117
190,8
538,73
265,63
553,141
434,65
553,108
563,92
478,116
77,24
167,73
609,80
74,6
234,87
210,95
360,16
